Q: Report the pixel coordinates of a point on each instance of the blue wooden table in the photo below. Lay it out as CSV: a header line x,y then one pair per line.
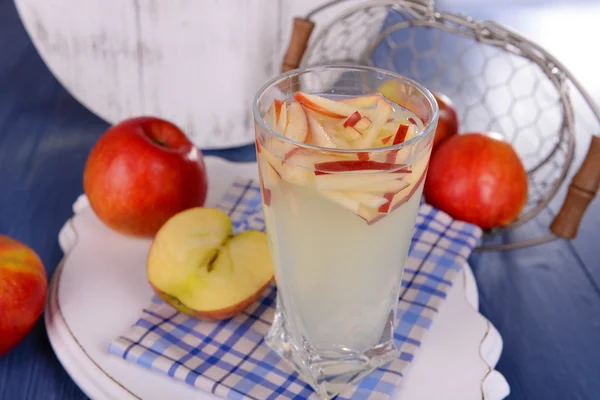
x,y
545,301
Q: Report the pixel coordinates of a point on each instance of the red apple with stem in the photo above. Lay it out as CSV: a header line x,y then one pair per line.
x,y
477,178
141,172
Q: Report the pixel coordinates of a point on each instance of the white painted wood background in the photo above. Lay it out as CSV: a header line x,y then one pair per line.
x,y
197,63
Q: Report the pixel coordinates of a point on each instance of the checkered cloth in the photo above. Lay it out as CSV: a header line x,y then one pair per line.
x,y
230,358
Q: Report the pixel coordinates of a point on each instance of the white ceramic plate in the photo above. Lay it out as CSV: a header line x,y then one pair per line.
x,y
100,287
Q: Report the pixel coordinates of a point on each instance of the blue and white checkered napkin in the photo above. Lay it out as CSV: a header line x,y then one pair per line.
x,y
230,359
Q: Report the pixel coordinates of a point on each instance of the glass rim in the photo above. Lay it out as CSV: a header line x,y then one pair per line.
x,y
271,82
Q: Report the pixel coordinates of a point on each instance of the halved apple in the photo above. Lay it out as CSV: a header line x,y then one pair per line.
x,y
199,268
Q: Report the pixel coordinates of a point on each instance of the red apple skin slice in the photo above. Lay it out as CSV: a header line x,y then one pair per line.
x,y
266,193
353,119
356,165
278,106
267,197
400,134
363,156
297,123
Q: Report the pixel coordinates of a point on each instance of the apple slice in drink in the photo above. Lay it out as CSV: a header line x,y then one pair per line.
x,y
353,200
298,164
363,125
276,117
352,181
383,187
378,118
318,135
414,180
198,267
325,106
349,134
362,101
297,123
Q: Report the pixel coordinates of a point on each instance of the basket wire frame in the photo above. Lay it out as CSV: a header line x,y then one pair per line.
x,y
498,80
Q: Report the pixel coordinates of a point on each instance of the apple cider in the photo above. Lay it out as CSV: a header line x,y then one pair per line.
x,y
341,178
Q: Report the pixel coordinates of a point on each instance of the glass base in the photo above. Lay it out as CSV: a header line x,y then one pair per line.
x,y
329,371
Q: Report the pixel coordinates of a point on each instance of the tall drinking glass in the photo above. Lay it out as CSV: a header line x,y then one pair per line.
x,y
339,220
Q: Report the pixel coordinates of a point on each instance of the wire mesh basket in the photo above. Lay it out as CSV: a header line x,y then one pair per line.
x,y
498,80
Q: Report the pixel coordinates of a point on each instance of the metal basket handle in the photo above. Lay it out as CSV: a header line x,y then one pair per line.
x,y
582,190
298,42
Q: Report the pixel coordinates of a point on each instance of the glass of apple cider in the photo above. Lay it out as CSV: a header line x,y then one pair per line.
x,y
342,170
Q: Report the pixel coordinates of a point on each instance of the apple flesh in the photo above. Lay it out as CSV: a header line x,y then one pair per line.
x,y
477,178
197,265
140,173
23,289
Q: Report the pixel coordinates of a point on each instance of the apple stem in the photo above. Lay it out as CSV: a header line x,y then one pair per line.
x,y
158,142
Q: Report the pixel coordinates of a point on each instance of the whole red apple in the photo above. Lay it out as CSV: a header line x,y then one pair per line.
x,y
23,288
447,122
141,172
477,178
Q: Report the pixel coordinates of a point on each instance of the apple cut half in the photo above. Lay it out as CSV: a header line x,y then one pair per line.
x,y
197,266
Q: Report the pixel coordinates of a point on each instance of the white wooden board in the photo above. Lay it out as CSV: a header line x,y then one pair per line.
x,y
197,63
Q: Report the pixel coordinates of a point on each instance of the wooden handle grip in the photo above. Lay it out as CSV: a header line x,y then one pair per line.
x,y
298,43
582,191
